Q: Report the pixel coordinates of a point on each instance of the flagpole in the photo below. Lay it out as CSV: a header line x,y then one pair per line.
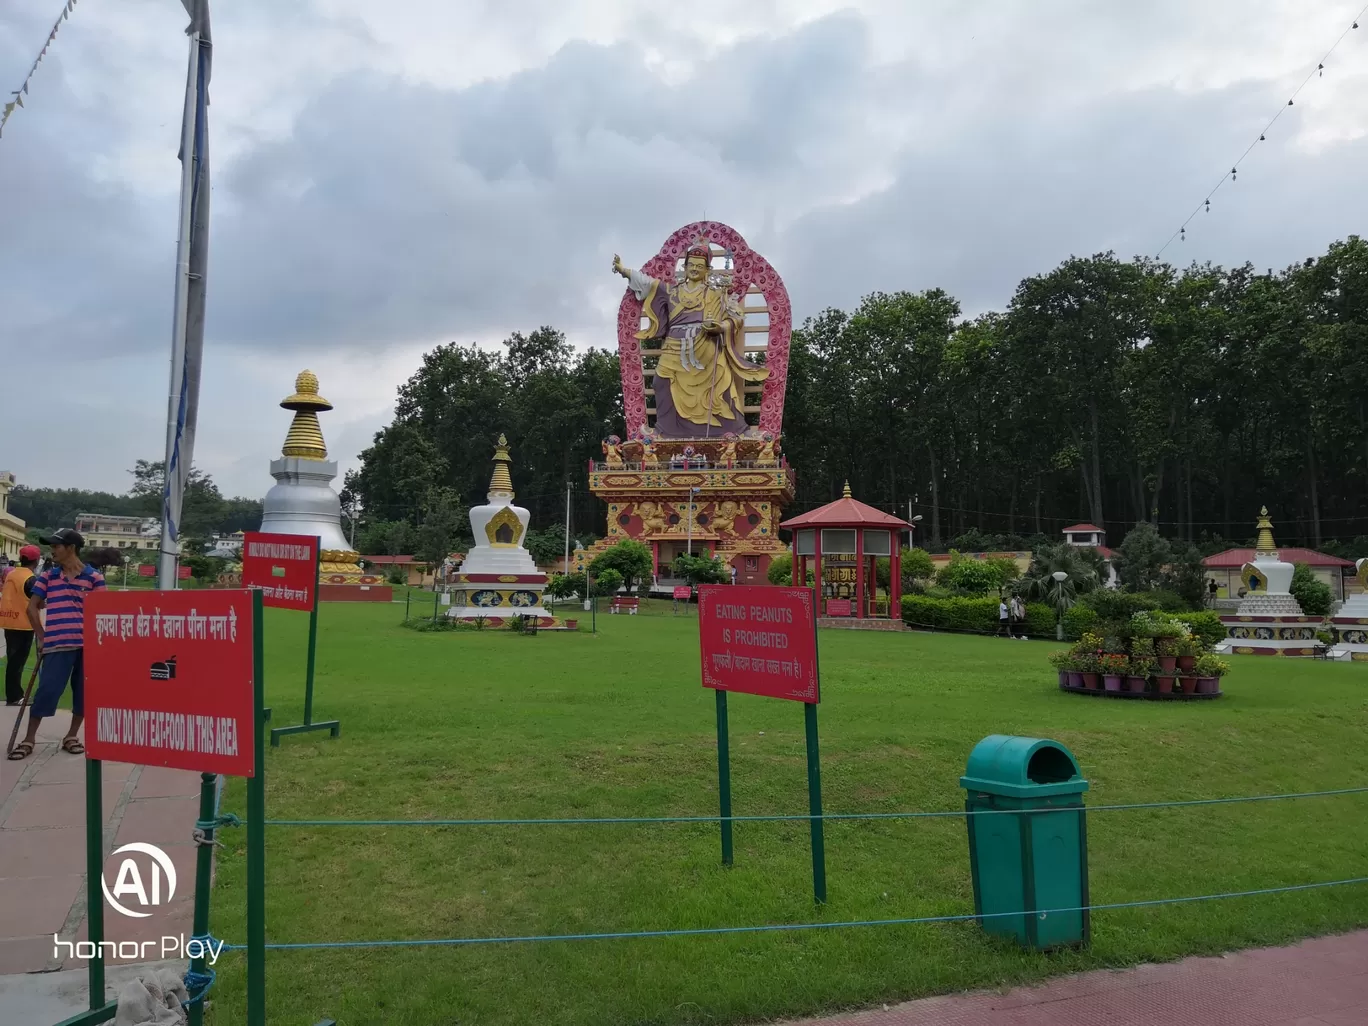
x,y
183,391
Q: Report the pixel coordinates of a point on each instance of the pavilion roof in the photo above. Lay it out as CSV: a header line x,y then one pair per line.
x,y
1236,558
846,512
1079,528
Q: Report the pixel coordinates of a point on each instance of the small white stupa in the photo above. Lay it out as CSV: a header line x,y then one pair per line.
x,y
498,579
1351,621
1270,620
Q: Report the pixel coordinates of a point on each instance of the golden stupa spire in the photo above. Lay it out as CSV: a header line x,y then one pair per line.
x,y
501,484
845,492
1264,545
305,439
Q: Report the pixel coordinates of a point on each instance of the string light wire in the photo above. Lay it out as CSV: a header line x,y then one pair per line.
x,y
1230,175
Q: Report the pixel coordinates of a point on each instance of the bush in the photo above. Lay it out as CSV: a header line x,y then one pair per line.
x,y
978,615
780,570
1206,626
606,582
976,576
1311,593
629,559
1110,604
1079,620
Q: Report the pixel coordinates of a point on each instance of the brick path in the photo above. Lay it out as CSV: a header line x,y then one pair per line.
x,y
42,848
1321,982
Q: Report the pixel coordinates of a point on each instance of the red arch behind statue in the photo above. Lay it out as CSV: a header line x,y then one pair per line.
x,y
749,268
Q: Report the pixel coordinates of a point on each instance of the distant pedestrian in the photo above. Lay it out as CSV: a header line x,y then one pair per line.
x,y
62,591
15,593
733,575
1004,614
1018,610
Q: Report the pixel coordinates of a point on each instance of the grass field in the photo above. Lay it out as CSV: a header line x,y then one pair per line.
x,y
495,725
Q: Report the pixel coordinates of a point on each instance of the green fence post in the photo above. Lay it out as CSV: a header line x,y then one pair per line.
x,y
724,776
256,838
815,804
94,870
309,666
204,862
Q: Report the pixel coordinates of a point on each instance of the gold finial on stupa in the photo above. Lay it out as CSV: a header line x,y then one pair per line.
x,y
305,438
1264,544
845,492
501,483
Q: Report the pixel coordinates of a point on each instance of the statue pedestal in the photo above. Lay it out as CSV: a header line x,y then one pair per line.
x,y
1351,623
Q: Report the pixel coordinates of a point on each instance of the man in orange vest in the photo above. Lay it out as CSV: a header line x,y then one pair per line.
x,y
14,601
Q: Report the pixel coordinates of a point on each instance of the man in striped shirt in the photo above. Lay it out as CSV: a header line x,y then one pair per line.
x,y
61,590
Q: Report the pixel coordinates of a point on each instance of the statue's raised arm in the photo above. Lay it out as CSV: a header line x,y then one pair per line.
x,y
639,283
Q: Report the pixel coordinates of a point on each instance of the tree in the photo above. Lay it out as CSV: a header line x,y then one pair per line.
x,y
1040,584
103,558
917,565
976,576
700,569
388,538
629,558
1143,558
606,581
444,521
780,570
1186,575
1311,593
546,546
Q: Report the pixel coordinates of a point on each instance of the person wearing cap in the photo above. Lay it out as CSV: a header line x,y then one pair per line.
x,y
14,601
62,591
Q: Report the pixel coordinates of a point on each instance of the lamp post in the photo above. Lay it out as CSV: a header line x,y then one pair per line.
x,y
1059,577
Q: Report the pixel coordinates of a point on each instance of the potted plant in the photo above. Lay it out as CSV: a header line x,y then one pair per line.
x,y
1089,666
1141,667
1210,669
1061,661
1166,651
1114,667
1187,649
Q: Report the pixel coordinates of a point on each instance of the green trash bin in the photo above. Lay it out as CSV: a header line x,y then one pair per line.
x,y
1036,858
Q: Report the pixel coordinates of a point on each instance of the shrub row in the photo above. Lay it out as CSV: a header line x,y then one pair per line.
x,y
978,615
1205,624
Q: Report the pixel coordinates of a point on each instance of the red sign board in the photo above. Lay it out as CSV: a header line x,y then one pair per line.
x,y
284,567
759,640
183,573
838,607
168,679
683,591
147,570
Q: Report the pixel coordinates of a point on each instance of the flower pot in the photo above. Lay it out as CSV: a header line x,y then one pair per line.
x,y
1090,681
1186,662
1063,678
1189,685
1164,685
1136,685
1208,685
1111,681
1075,679
572,625
1167,662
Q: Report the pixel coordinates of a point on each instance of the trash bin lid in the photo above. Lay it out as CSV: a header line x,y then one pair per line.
x,y
1022,767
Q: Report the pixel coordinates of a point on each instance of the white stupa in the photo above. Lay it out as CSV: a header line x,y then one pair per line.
x,y
1351,621
1270,620
498,579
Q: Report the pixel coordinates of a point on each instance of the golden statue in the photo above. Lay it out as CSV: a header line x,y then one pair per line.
x,y
727,455
652,518
766,457
724,518
612,451
648,453
701,328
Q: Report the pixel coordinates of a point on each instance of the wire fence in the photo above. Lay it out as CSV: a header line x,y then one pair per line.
x,y
780,818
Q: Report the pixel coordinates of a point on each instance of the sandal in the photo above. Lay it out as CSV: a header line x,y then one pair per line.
x,y
21,751
73,745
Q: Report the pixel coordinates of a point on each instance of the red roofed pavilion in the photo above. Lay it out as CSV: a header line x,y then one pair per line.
x,y
848,536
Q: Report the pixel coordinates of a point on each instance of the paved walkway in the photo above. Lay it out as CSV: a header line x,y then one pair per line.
x,y
42,849
1322,982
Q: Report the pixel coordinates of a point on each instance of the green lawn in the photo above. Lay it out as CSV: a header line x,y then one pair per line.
x,y
495,725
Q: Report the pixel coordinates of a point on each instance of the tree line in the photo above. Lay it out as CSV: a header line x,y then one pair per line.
x,y
205,510
1109,391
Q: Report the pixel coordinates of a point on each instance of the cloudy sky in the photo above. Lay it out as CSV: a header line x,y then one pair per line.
x,y
388,177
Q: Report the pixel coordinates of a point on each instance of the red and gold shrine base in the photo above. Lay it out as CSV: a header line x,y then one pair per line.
x,y
283,566
355,593
759,640
168,679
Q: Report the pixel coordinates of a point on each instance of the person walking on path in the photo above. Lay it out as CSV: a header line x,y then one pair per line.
x,y
1019,616
1004,623
14,601
62,591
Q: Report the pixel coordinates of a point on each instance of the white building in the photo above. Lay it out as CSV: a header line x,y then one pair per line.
x,y
1090,536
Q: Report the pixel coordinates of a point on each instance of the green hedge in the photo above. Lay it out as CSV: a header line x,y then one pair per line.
x,y
971,614
1078,620
1205,625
